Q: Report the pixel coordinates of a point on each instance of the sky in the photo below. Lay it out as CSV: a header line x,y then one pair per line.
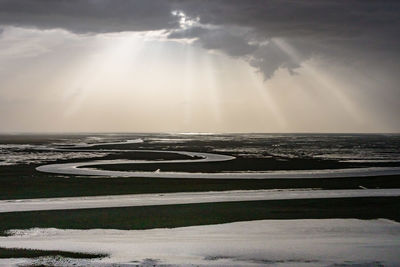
x,y
199,66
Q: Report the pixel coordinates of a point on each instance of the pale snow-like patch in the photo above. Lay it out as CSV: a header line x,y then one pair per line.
x,y
12,154
371,160
96,141
185,198
245,152
13,158
168,140
265,242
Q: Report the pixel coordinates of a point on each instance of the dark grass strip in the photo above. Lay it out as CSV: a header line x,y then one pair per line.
x,y
7,253
169,216
19,184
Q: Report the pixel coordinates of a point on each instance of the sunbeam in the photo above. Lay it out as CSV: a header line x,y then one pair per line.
x,y
263,92
211,87
101,71
329,85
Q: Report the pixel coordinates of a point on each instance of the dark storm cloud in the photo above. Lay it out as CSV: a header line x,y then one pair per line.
x,y
89,16
363,29
216,39
285,18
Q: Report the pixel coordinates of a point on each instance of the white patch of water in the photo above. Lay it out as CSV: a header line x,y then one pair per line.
x,y
265,242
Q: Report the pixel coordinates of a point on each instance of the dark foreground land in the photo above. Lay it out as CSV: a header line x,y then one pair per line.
x,y
201,214
23,181
7,253
254,153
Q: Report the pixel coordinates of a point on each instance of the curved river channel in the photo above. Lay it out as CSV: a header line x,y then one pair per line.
x,y
78,168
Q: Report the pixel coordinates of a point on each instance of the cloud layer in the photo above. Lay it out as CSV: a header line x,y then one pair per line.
x,y
356,31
